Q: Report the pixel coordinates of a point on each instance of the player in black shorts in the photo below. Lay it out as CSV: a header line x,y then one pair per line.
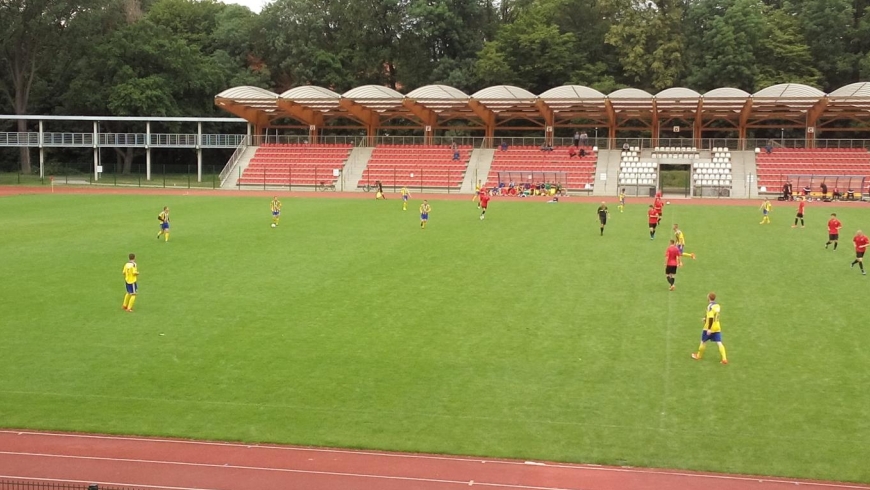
x,y
602,216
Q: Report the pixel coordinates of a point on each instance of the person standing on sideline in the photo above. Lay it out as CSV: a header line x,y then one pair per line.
x,y
163,218
834,226
621,200
131,278
602,216
861,241
765,212
800,214
712,330
672,257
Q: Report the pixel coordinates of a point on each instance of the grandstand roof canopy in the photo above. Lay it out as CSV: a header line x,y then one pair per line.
x,y
372,106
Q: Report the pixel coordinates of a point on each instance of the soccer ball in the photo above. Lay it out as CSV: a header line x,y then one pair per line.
x,y
668,202
274,225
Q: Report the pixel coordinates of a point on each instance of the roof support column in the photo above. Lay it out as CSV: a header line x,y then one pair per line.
x,y
813,116
656,125
549,121
312,134
148,150
96,152
199,152
488,119
698,126
741,128
41,152
248,135
611,124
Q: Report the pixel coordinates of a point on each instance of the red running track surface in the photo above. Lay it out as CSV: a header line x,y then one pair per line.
x,y
198,465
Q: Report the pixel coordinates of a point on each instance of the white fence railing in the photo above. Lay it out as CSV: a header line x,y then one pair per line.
x,y
121,140
233,161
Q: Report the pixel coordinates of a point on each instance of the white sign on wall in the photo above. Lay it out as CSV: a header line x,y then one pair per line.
x,y
602,176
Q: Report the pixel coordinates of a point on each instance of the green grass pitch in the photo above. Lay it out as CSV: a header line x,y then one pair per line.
x,y
524,335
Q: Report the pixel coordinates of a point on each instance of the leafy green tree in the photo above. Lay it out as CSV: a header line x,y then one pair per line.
x,y
531,53
828,26
649,40
31,32
730,31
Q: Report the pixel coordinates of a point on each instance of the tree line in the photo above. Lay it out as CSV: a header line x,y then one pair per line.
x,y
170,57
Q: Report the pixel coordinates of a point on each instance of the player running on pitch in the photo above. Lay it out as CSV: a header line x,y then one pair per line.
x,y
765,212
834,226
861,241
603,213
680,238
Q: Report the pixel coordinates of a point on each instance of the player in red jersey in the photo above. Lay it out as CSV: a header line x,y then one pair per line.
x,y
833,230
654,217
800,214
484,202
658,204
672,257
861,243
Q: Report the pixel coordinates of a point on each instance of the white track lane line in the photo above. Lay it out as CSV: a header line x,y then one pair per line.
x,y
807,483
283,470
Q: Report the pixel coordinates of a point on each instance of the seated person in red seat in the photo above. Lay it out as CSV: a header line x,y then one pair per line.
x,y
572,152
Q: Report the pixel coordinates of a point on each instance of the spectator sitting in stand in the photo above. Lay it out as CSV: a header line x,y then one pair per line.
x,y
455,154
503,146
807,191
769,147
546,147
572,152
837,194
582,152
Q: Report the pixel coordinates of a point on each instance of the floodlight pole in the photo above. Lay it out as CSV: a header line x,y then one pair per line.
x,y
96,152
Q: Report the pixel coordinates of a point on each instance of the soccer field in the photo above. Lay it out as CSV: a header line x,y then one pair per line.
x,y
525,335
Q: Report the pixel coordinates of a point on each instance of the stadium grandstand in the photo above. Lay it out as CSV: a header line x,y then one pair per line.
x,y
678,127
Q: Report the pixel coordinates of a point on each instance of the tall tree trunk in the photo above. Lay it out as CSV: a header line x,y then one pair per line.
x,y
24,150
127,156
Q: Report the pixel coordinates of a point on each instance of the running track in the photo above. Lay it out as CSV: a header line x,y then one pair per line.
x,y
196,465
166,464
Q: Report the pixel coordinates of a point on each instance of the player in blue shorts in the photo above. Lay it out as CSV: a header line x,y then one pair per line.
x,y
712,330
163,218
276,210
424,213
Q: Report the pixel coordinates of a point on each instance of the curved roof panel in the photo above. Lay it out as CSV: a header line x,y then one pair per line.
x,y
678,93
630,93
247,92
572,92
307,92
503,92
859,89
789,91
438,92
372,92
727,93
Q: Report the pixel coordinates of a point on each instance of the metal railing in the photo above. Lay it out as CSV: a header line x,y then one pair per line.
x,y
81,173
121,140
233,161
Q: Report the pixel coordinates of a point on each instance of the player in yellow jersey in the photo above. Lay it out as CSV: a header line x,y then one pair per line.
x,y
680,240
424,213
163,218
621,200
712,330
131,277
405,196
276,211
765,212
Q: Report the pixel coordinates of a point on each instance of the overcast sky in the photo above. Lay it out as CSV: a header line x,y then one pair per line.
x,y
255,5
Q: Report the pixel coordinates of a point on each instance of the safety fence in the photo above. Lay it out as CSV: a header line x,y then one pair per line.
x,y
45,485
163,176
